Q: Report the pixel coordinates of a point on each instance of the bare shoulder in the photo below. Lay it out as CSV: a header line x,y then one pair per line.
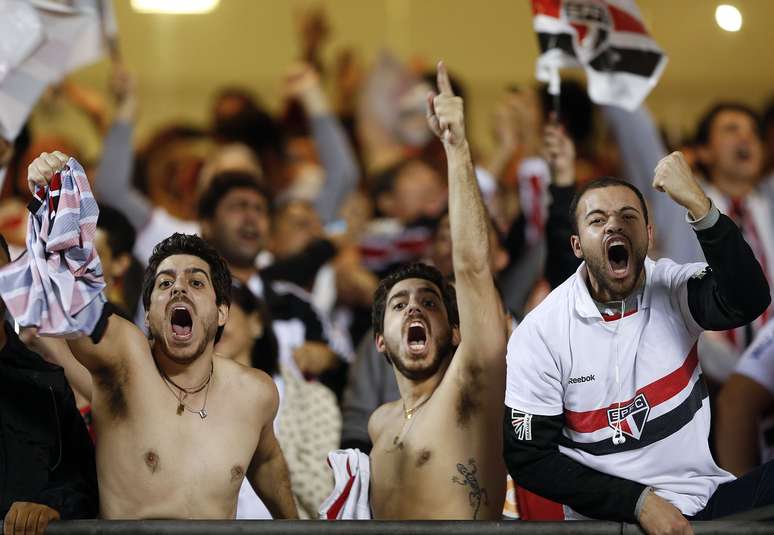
x,y
379,419
251,383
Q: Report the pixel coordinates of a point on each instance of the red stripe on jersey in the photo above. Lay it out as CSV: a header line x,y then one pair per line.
x,y
656,393
549,8
617,316
624,22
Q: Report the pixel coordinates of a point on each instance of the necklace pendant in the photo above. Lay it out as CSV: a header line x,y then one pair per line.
x,y
203,414
180,408
409,415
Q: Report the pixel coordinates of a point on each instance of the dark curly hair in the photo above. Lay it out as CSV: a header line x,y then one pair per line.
x,y
190,244
224,182
413,271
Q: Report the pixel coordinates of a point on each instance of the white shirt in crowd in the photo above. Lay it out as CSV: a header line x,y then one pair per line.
x,y
640,372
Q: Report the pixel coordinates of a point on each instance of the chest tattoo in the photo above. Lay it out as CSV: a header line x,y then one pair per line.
x,y
477,495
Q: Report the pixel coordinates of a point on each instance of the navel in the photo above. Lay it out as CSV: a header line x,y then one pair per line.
x,y
152,461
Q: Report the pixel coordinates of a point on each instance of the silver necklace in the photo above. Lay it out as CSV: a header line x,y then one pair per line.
x,y
183,393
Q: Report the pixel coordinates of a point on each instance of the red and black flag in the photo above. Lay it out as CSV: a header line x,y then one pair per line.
x,y
608,39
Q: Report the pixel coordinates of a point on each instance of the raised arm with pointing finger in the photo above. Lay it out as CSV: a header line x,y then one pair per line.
x,y
448,359
477,299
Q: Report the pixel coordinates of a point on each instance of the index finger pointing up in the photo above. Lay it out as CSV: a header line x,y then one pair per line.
x,y
444,85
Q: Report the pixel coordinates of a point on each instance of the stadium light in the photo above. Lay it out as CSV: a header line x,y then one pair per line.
x,y
728,18
175,7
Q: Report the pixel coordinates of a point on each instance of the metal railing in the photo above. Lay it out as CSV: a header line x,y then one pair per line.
x,y
344,527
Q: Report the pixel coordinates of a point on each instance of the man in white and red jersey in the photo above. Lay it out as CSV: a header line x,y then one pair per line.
x,y
606,408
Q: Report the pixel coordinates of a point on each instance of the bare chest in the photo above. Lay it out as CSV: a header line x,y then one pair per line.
x,y
157,461
434,467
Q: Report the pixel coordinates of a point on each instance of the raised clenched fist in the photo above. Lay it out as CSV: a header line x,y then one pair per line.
x,y
674,177
445,113
43,168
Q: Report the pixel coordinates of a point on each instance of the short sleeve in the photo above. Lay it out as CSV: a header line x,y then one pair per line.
x,y
534,380
757,362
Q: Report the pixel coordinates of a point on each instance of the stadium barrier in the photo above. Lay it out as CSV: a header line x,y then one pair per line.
x,y
286,527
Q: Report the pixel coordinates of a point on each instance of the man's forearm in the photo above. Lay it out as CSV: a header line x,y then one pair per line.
x,y
272,483
338,160
467,214
112,183
735,292
538,466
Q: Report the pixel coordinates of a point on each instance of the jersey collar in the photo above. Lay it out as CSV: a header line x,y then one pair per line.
x,y
584,304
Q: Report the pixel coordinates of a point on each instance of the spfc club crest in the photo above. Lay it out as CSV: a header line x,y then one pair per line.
x,y
592,23
632,416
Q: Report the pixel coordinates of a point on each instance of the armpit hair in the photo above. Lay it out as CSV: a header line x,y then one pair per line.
x,y
113,381
469,401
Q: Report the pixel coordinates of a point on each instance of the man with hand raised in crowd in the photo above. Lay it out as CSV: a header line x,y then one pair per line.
x,y
436,450
606,406
173,441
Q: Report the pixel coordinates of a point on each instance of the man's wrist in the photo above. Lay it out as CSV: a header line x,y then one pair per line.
x,y
641,501
315,103
708,220
700,208
459,149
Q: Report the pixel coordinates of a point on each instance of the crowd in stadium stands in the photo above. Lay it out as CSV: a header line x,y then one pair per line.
x,y
505,334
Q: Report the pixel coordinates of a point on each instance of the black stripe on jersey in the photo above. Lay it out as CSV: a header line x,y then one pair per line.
x,y
655,430
610,59
562,41
630,60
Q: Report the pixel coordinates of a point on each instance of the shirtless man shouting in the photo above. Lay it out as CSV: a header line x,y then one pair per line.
x,y
177,427
436,451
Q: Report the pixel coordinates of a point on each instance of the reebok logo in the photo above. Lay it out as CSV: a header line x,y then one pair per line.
x,y
584,379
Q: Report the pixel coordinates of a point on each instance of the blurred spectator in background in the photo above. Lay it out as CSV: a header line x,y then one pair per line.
x,y
768,140
235,214
114,242
743,437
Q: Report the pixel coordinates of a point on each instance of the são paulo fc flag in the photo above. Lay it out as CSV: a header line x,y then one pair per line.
x,y
608,39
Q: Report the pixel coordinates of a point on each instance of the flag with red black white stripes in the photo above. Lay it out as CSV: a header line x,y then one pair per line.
x,y
607,38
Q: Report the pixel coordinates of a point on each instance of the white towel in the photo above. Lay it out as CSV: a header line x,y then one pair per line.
x,y
349,500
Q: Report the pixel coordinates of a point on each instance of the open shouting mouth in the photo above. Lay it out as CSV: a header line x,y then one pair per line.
x,y
181,323
618,255
416,337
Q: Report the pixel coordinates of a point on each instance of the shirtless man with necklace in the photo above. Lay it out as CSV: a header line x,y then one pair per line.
x,y
438,450
177,428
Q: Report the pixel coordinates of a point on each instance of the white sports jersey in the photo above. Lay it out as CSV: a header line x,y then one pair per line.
x,y
564,359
